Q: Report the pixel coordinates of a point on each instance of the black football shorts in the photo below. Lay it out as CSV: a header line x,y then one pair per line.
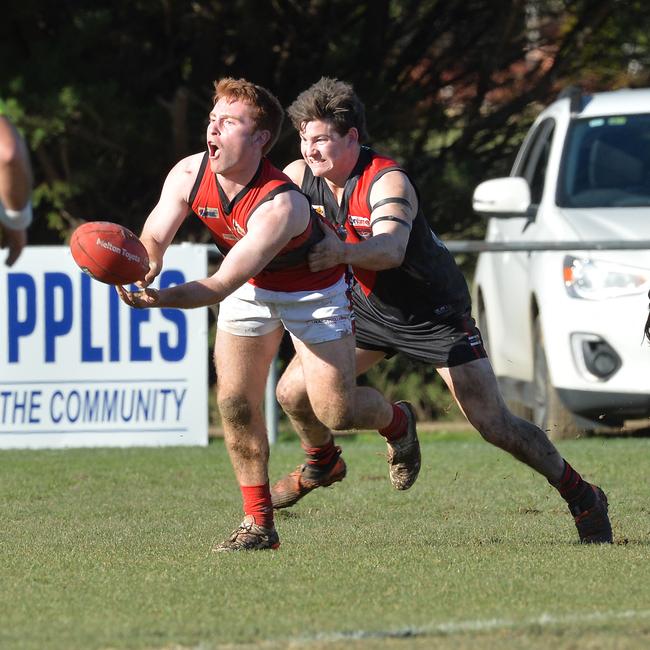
x,y
444,344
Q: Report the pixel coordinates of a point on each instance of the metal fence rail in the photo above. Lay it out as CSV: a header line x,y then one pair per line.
x,y
479,246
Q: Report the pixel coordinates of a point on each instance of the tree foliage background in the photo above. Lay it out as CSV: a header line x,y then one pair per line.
x,y
111,94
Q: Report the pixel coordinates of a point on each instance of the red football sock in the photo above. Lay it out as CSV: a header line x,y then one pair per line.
x,y
574,489
320,456
397,427
257,502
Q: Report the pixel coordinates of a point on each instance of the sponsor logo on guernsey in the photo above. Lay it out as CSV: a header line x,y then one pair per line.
x,y
320,209
363,222
209,213
474,340
238,228
229,237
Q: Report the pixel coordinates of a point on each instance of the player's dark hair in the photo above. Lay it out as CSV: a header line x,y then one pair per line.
x,y
268,110
333,101
646,329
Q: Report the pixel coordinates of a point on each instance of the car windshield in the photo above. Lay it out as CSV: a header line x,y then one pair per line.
x,y
606,163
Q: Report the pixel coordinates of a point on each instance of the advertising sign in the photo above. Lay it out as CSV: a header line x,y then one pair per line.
x,y
79,368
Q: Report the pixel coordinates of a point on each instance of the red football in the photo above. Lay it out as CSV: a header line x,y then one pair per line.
x,y
109,252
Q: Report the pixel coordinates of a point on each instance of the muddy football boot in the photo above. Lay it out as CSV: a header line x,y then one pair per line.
x,y
593,524
404,454
305,478
249,537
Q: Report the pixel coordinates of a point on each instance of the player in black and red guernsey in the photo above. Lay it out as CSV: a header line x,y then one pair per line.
x,y
264,226
410,297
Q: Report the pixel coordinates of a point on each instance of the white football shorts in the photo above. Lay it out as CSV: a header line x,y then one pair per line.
x,y
310,316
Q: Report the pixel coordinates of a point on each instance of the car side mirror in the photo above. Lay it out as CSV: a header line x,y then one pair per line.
x,y
503,197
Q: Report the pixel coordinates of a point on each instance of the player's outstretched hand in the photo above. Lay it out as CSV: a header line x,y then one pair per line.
x,y
328,252
139,299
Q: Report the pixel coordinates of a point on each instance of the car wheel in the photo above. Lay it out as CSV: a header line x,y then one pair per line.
x,y
549,413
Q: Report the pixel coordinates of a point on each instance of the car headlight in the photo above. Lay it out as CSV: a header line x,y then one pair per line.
x,y
598,280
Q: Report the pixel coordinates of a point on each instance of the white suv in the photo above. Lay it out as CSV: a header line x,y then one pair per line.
x,y
564,327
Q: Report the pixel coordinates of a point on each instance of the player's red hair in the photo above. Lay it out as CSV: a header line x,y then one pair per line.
x,y
268,110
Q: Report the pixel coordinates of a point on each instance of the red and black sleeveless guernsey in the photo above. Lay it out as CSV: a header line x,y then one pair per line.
x,y
227,221
427,288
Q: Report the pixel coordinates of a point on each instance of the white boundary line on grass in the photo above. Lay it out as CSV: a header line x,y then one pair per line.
x,y
436,629
478,625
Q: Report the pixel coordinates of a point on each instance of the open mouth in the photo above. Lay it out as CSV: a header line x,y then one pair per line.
x,y
213,150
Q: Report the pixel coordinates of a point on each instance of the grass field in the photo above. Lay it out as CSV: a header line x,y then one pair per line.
x,y
110,549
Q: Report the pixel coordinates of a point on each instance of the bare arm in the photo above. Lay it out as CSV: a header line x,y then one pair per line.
x,y
296,171
270,229
15,170
167,216
15,189
391,226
